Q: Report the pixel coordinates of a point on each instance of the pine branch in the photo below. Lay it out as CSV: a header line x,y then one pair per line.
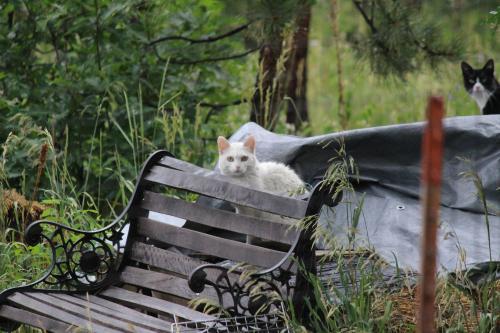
x,y
367,19
421,45
434,53
370,22
414,39
204,39
204,60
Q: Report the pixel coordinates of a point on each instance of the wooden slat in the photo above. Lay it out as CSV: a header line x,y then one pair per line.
x,y
271,230
183,166
89,314
34,320
153,321
163,282
116,311
153,304
49,310
208,244
171,261
226,191
164,259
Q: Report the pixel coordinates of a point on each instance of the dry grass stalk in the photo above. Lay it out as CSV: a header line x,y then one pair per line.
x,y
42,159
15,209
451,303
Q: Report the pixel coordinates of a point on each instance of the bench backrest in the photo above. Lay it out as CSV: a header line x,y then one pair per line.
x,y
168,192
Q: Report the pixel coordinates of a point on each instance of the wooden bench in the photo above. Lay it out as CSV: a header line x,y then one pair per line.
x,y
139,273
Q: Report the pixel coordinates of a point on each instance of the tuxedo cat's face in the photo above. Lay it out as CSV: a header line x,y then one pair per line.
x,y
479,83
236,159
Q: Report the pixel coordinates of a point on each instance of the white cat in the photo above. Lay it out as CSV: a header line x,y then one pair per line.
x,y
238,161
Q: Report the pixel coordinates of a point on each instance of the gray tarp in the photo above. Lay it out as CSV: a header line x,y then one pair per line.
x,y
388,159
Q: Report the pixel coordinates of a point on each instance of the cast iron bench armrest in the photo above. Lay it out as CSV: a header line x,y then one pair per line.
x,y
81,261
261,292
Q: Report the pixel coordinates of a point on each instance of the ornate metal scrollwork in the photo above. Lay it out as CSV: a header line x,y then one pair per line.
x,y
81,260
267,290
248,294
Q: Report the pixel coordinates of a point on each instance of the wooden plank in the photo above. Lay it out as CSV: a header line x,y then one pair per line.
x,y
222,189
153,304
171,261
164,259
26,302
117,311
208,244
271,230
163,282
174,163
89,313
154,322
34,320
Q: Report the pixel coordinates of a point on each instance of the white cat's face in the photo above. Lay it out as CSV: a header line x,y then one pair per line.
x,y
236,159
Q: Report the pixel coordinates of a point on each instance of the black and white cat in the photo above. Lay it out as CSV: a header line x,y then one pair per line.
x,y
483,87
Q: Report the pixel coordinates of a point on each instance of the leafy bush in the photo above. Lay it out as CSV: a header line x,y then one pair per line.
x,y
89,72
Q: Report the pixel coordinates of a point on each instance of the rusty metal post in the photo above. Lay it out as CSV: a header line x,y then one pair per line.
x,y
432,152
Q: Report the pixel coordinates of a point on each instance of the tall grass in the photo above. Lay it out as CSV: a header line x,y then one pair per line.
x,y
73,204
371,100
356,296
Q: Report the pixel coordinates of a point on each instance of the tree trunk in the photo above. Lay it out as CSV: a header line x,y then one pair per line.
x,y
267,95
342,113
296,66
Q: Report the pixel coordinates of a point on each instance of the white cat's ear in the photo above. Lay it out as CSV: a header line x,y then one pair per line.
x,y
223,144
250,143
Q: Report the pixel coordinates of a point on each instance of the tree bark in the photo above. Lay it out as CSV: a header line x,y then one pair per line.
x,y
342,113
266,98
296,66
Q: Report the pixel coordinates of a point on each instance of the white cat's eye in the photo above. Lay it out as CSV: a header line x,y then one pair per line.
x,y
244,158
230,159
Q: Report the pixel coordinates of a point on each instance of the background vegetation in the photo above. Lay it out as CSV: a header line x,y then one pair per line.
x,y
101,84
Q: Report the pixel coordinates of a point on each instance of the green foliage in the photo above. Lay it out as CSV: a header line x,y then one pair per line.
x,y
374,100
20,153
399,39
494,18
89,73
19,265
270,16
